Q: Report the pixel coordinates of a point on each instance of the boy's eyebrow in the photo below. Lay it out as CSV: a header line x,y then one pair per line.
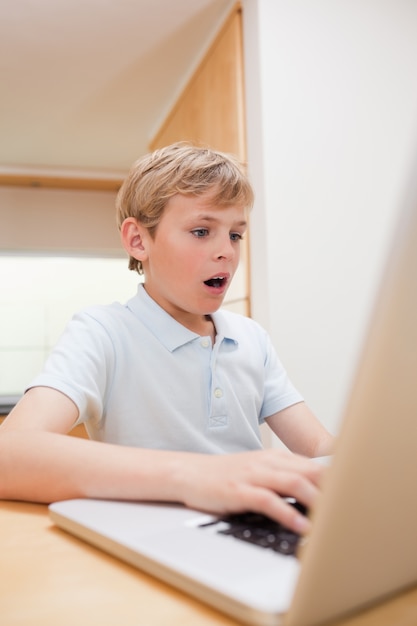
x,y
212,218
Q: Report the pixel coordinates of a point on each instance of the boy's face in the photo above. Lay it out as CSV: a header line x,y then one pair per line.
x,y
193,256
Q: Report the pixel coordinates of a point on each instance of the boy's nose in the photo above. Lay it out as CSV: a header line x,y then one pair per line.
x,y
226,250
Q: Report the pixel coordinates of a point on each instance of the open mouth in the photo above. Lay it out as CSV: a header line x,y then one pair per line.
x,y
216,282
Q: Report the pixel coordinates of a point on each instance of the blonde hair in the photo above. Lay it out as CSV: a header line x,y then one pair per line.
x,y
180,168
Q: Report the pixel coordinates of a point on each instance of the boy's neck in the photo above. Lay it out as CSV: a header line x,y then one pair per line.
x,y
203,325
212,333
206,328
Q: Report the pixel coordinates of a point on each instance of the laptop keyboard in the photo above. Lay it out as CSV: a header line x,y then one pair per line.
x,y
259,530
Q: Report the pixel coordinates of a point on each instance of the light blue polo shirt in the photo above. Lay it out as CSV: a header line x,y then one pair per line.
x,y
140,378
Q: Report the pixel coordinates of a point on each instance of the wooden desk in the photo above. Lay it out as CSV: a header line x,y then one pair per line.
x,y
49,578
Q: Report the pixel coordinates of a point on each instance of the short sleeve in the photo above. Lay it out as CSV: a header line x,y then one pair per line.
x,y
279,392
80,366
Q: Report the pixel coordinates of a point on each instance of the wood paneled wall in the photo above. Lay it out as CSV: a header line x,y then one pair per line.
x,y
211,108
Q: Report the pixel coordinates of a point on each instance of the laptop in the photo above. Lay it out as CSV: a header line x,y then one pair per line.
x,y
363,543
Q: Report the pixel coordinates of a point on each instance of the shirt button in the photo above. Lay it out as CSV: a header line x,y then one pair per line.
x,y
218,393
205,342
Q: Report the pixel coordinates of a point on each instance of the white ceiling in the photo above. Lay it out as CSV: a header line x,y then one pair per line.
x,y
86,83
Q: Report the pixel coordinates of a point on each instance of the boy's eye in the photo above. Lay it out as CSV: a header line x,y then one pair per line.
x,y
236,236
200,232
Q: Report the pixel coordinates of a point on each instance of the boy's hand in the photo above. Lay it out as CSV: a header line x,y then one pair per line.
x,y
253,481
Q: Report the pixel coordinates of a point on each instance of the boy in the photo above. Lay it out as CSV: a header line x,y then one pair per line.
x,y
171,390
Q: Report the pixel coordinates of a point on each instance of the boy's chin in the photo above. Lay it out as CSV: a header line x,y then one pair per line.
x,y
213,310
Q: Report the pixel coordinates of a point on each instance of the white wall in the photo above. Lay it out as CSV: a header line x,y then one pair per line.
x,y
332,120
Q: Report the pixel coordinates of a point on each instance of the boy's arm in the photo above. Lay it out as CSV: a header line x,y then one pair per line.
x,y
300,430
38,462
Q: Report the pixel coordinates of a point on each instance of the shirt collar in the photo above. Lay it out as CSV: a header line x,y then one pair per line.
x,y
169,332
225,329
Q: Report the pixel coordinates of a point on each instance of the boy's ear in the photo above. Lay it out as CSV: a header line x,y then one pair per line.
x,y
134,237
